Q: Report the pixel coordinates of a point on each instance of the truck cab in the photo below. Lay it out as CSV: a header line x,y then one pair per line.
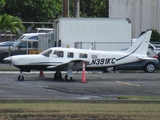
x,y
24,46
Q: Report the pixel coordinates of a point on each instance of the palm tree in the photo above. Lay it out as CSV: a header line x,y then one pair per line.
x,y
11,23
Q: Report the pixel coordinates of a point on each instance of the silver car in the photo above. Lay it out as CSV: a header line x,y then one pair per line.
x,y
148,66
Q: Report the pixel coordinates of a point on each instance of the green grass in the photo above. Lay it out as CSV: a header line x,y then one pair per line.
x,y
139,97
78,111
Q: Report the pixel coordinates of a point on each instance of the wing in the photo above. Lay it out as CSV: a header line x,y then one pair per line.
x,y
75,64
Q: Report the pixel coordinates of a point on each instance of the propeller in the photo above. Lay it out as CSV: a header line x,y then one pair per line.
x,y
8,60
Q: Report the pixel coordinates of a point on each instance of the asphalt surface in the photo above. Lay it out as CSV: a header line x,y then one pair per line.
x,y
98,86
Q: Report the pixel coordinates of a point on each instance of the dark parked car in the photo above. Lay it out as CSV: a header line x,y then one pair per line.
x,y
19,47
148,66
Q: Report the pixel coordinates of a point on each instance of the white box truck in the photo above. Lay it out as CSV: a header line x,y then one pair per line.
x,y
96,33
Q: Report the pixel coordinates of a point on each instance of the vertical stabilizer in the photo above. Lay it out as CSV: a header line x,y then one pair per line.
x,y
140,46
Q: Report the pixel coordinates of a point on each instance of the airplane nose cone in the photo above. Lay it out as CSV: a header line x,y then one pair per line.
x,y
7,59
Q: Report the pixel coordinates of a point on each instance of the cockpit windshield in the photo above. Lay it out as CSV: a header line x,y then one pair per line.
x,y
46,52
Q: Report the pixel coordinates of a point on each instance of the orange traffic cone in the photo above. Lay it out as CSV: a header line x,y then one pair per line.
x,y
41,74
83,73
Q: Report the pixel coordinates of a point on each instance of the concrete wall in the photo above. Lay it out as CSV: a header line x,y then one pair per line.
x,y
144,14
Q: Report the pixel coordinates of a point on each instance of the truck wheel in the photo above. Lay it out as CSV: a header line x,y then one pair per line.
x,y
4,56
109,69
150,67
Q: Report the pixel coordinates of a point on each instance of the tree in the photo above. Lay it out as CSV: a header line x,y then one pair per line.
x,y
49,10
2,3
8,22
33,10
155,37
92,8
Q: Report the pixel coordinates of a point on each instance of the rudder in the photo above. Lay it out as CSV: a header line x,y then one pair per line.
x,y
140,46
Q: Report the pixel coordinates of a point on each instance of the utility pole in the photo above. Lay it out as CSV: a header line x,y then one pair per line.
x,y
76,8
65,8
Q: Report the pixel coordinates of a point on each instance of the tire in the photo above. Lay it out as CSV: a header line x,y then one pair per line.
x,y
58,75
66,78
150,67
20,78
109,69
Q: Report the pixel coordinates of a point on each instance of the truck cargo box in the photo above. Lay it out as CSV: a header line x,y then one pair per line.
x,y
101,33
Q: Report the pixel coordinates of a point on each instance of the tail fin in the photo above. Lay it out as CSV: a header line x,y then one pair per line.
x,y
140,46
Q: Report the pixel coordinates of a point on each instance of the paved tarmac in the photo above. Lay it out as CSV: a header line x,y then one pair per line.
x,y
98,86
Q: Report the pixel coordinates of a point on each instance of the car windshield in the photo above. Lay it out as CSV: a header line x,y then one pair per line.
x,y
150,53
157,46
16,42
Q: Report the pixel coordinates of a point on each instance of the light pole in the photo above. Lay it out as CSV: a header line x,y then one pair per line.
x,y
76,8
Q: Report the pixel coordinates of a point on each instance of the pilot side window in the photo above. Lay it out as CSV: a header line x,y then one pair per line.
x,y
83,55
70,55
23,44
58,53
46,52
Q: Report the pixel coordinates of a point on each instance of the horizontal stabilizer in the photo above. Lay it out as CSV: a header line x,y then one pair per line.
x,y
145,58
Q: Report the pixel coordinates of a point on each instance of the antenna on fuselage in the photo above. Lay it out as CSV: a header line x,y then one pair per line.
x,y
93,44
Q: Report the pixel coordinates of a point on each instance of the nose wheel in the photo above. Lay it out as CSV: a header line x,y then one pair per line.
x,y
20,77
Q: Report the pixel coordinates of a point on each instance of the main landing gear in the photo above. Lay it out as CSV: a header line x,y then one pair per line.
x,y
58,75
69,74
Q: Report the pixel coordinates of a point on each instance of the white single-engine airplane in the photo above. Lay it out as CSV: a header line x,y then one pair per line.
x,y
69,59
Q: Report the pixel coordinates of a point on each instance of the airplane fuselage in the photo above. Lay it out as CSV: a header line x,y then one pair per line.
x,y
51,57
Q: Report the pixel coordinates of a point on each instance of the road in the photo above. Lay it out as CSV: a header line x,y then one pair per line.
x,y
98,86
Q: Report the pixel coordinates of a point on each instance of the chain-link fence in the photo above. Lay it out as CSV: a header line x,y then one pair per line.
x,y
7,36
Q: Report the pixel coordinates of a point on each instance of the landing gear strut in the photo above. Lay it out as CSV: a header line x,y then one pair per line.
x,y
69,75
20,77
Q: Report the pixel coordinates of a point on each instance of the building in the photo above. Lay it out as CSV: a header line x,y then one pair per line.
x,y
144,14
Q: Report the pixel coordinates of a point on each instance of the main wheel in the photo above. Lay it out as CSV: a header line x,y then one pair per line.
x,y
150,67
58,75
20,78
66,78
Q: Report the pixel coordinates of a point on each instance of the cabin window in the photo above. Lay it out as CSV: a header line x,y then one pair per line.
x,y
82,55
94,56
58,53
70,55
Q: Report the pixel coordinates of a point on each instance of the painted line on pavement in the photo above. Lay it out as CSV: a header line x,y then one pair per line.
x,y
128,83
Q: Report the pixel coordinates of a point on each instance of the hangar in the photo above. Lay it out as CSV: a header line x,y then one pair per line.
x,y
144,14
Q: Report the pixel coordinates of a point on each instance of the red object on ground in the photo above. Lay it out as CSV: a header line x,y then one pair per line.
x,y
83,73
41,74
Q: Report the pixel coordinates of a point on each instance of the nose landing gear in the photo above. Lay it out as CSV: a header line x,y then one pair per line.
x,y
20,77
